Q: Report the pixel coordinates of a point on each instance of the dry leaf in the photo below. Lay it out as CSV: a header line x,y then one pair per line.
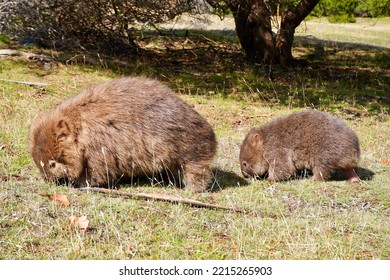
x,y
385,162
129,250
58,198
78,222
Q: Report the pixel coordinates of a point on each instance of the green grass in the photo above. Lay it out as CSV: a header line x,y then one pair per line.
x,y
300,219
365,31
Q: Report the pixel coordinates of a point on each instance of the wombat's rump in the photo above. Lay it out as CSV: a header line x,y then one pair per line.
x,y
123,128
309,139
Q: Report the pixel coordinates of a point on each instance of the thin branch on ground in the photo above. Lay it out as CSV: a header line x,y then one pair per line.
x,y
163,197
26,83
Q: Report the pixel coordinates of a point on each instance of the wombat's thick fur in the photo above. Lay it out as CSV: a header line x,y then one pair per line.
x,y
309,139
123,128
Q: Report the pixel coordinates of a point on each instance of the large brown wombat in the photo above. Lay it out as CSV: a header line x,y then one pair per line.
x,y
123,128
308,139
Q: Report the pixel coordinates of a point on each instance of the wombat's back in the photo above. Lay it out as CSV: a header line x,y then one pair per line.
x,y
312,132
314,138
146,114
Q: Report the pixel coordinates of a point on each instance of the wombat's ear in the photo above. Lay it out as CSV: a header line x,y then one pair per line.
x,y
63,130
256,139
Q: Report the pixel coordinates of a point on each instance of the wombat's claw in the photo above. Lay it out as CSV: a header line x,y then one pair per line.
x,y
351,175
354,180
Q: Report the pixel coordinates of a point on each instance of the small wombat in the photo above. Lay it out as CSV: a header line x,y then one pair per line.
x,y
123,128
309,139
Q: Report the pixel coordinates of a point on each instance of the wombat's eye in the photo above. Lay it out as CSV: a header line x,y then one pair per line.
x,y
245,164
52,164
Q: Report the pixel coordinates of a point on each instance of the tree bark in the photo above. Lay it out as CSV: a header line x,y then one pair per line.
x,y
290,21
254,30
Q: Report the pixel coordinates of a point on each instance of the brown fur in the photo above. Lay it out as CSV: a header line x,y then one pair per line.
x,y
308,139
123,128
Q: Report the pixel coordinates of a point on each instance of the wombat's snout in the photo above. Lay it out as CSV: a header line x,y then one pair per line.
x,y
245,166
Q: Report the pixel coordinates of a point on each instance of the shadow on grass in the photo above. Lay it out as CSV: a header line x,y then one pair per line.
x,y
226,179
334,75
336,175
221,180
364,174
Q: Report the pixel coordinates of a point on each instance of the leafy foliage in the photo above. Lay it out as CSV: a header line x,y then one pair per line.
x,y
337,11
346,10
374,8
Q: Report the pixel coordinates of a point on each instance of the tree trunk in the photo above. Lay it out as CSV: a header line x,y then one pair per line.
x,y
291,20
254,30
284,43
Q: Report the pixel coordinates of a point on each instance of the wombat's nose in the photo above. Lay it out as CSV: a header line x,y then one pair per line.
x,y
52,163
244,166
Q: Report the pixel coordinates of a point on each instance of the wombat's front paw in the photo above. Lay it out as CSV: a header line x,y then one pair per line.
x,y
196,183
351,175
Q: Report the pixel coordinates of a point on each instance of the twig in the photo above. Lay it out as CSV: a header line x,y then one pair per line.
x,y
259,116
208,39
162,197
26,83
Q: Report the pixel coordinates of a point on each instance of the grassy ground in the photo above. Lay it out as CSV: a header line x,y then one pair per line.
x,y
300,219
365,31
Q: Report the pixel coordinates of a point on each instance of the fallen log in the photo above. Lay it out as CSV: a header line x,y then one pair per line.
x,y
31,56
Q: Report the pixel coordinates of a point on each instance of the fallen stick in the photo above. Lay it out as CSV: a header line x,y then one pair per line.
x,y
32,56
26,83
162,197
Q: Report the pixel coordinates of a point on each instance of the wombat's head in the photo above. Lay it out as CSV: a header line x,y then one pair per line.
x,y
53,146
251,155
